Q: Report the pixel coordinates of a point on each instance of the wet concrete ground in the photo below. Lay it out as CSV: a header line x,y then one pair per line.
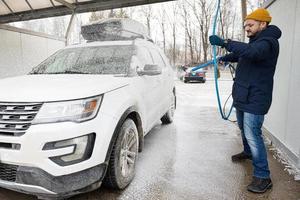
x,y
190,158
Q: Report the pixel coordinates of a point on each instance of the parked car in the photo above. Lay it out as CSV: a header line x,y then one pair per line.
x,y
79,118
196,76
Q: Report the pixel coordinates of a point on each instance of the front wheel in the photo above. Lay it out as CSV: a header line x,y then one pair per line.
x,y
169,116
121,168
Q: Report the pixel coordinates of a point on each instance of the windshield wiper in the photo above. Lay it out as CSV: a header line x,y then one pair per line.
x,y
30,73
74,72
68,72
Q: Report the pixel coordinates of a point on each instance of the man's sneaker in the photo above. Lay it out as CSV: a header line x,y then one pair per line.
x,y
240,157
260,185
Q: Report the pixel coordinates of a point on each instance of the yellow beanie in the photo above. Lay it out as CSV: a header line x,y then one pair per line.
x,y
260,14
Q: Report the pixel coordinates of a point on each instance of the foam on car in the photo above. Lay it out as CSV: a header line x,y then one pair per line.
x,y
114,29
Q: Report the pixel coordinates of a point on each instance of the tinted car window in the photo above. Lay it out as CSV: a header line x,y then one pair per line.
x,y
90,60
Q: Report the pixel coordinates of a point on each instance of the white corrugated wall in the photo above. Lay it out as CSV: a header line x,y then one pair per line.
x,y
283,120
20,50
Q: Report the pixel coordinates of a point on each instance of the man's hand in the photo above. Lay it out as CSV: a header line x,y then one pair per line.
x,y
216,40
220,59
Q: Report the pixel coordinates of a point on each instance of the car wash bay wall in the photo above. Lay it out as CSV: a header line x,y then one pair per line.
x,y
283,119
21,50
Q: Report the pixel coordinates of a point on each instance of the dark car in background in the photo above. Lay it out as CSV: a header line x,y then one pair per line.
x,y
194,76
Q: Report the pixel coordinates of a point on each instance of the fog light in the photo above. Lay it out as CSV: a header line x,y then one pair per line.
x,y
82,149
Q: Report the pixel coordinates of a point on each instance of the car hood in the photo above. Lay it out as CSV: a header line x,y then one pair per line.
x,y
43,88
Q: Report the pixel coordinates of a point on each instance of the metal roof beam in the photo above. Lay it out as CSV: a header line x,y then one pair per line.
x,y
82,7
69,5
8,6
29,5
52,3
67,35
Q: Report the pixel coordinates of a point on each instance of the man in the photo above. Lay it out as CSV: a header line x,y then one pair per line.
x,y
252,89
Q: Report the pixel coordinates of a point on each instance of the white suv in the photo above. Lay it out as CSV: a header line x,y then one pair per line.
x,y
80,117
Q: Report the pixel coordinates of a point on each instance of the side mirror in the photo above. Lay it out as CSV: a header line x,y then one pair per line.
x,y
150,70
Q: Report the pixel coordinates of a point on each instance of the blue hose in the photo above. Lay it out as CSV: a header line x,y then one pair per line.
x,y
215,63
224,116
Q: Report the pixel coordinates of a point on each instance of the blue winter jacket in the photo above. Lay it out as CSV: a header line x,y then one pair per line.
x,y
253,84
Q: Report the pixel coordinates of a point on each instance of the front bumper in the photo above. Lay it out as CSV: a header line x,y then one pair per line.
x,y
36,173
35,181
32,154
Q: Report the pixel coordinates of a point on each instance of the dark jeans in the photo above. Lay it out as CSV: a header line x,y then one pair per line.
x,y
250,126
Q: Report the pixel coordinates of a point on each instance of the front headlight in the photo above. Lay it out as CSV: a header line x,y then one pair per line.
x,y
75,111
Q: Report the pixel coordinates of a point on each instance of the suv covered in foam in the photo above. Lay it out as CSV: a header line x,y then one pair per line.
x,y
79,118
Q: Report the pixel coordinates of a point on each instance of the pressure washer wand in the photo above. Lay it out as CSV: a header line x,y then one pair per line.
x,y
203,65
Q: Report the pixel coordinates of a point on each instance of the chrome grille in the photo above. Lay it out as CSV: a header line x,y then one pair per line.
x,y
16,118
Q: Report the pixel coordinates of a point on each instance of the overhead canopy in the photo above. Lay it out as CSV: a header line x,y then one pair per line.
x,y
22,10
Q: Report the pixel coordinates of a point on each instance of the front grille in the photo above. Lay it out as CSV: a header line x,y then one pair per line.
x,y
16,118
8,172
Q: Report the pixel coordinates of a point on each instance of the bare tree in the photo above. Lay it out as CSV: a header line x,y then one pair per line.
x,y
203,12
250,5
95,16
233,24
147,12
161,18
188,32
226,17
112,13
131,11
121,13
173,24
198,55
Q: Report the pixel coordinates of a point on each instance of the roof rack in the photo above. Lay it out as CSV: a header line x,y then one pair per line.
x,y
114,29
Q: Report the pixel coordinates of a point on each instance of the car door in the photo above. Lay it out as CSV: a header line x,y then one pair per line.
x,y
148,87
162,90
168,81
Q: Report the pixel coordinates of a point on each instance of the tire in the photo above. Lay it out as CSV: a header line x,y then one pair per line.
x,y
169,116
122,162
185,81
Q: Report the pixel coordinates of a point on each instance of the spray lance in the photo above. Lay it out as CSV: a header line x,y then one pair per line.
x,y
216,70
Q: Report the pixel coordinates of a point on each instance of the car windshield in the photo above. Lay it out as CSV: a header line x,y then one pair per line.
x,y
88,60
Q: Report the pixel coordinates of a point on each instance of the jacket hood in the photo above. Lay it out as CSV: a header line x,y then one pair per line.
x,y
271,31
